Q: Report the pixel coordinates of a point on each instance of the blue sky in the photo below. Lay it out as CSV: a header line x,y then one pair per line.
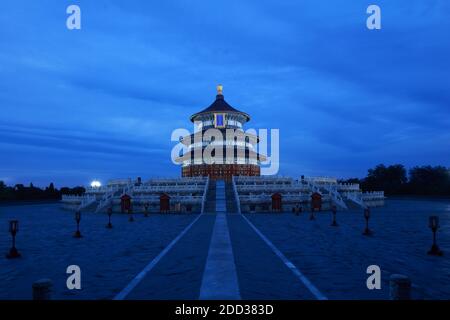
x,y
102,102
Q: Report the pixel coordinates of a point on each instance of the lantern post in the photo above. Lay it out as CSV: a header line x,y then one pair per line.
x,y
367,231
109,212
333,211
434,226
78,219
146,209
13,229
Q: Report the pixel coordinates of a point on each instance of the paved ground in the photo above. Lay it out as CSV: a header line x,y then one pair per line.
x,y
261,274
336,259
108,258
179,273
333,260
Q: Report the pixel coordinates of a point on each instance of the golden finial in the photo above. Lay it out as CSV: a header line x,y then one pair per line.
x,y
220,89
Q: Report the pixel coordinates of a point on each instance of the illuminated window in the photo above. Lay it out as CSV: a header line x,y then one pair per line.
x,y
219,120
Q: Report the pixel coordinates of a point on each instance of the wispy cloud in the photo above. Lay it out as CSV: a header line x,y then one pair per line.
x,y
104,100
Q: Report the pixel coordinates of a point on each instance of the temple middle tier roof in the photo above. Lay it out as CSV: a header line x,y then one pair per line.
x,y
238,135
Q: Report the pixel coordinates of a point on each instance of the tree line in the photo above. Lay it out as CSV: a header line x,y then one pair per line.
x,y
396,180
19,192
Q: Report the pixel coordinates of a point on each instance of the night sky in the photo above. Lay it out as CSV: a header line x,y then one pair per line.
x,y
101,102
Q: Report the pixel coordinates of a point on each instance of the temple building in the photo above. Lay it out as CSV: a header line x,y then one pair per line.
x,y
220,148
220,171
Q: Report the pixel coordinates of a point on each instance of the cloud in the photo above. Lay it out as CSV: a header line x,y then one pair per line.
x,y
344,98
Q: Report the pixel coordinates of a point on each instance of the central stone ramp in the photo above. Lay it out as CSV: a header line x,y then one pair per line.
x,y
220,278
210,205
220,197
231,198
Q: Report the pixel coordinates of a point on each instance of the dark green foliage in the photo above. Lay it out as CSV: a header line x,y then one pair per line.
x,y
31,193
429,180
391,179
395,180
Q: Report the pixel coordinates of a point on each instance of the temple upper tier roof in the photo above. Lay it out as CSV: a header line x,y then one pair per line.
x,y
219,105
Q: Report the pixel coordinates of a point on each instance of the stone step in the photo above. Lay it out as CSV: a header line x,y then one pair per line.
x,y
210,204
231,200
220,196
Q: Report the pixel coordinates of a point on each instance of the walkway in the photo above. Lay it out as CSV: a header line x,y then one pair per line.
x,y
220,256
219,278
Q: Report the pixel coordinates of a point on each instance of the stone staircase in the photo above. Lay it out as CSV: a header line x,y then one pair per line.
x,y
231,199
357,200
221,198
224,194
210,204
323,189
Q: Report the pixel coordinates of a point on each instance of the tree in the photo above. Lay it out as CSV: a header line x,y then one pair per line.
x,y
6,193
51,188
391,179
428,180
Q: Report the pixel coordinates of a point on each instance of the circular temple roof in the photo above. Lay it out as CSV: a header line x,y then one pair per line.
x,y
219,105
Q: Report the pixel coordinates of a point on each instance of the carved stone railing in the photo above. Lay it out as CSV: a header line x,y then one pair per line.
x,y
236,195
205,191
